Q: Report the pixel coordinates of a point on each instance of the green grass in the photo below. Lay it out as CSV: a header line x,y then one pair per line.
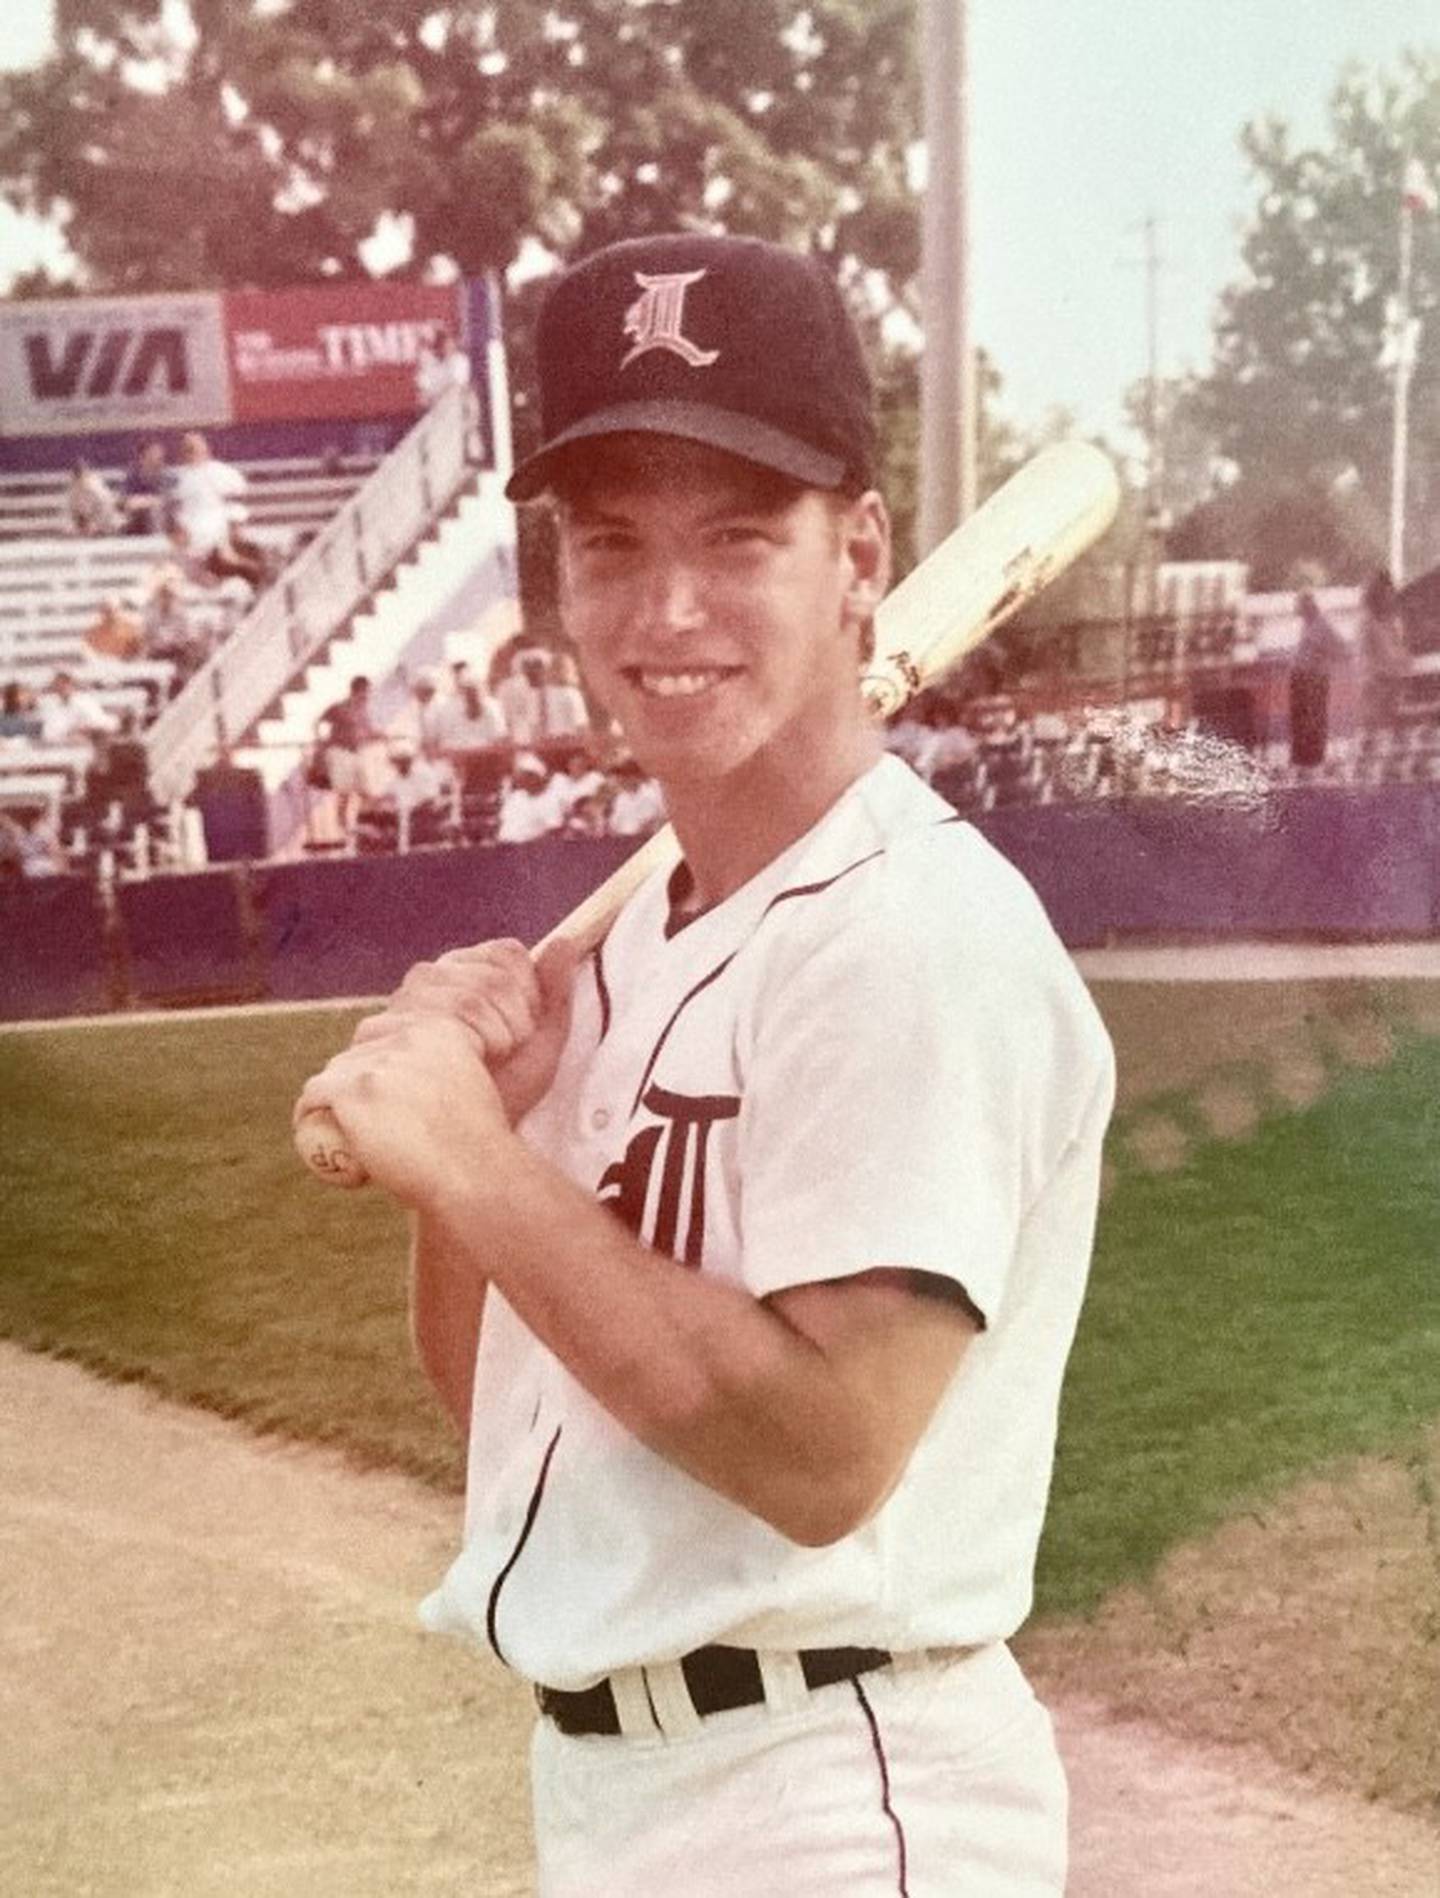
x,y
159,1228
1272,1306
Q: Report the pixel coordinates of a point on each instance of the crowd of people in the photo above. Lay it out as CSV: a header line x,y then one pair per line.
x,y
520,739
198,496
521,745
189,598
141,645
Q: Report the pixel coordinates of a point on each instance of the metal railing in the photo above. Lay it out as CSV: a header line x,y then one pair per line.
x,y
312,599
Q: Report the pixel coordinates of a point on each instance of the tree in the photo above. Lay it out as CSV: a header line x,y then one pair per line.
x,y
1299,392
264,144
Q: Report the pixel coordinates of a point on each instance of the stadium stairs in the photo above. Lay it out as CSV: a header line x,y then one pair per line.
x,y
459,576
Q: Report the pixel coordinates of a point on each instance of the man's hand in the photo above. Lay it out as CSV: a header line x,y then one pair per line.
x,y
517,1008
415,1103
430,1087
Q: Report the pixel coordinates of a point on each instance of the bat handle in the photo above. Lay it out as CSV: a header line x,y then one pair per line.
x,y
320,1139
320,1142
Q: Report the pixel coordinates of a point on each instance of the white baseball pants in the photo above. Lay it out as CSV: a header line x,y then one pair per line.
x,y
936,1781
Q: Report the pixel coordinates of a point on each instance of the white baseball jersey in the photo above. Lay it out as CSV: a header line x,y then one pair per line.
x,y
875,1054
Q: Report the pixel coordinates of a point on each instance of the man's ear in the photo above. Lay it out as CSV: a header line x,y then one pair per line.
x,y
866,539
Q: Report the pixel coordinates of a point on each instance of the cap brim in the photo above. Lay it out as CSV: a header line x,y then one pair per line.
x,y
735,434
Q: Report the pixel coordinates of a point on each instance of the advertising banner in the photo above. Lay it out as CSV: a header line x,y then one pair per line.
x,y
82,365
341,352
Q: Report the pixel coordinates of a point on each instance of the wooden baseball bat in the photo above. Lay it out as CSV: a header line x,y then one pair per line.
x,y
1024,536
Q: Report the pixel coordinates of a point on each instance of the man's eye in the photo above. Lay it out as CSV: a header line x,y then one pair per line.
x,y
740,534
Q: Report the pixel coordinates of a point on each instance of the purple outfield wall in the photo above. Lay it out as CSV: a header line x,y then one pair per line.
x,y
1313,863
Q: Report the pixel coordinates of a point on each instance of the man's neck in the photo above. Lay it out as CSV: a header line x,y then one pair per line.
x,y
730,830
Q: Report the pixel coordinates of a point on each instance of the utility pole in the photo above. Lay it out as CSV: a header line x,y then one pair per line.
x,y
1402,344
947,368
1154,460
1156,519
1403,338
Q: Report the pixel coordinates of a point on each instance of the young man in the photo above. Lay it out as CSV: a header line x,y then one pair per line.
x,y
749,1254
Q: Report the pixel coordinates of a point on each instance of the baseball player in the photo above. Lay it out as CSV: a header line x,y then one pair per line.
x,y
749,1253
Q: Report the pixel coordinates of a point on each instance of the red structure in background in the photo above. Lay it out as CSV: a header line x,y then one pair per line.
x,y
328,353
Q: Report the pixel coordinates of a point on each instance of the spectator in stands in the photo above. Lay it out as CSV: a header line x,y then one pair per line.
x,y
540,701
209,509
30,843
442,364
419,720
173,632
190,568
587,817
948,741
1384,656
637,806
992,715
1320,655
116,632
467,727
576,778
19,714
518,694
419,793
90,508
146,494
566,700
354,751
69,716
528,809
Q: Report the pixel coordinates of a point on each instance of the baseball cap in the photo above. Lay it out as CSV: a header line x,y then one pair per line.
x,y
743,345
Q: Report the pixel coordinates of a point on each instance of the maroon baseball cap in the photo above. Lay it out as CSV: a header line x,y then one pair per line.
x,y
743,345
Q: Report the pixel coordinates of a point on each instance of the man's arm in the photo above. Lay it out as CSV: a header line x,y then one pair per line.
x,y
518,1015
803,1408
447,1303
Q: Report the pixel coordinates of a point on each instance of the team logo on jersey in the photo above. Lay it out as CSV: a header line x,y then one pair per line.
x,y
655,320
657,1191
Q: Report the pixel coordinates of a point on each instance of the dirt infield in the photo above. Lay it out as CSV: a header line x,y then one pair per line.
x,y
216,1688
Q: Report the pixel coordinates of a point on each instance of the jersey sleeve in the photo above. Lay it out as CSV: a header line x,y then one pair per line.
x,y
916,1072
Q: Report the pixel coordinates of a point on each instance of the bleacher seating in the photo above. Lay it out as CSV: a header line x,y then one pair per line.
x,y
293,493
53,585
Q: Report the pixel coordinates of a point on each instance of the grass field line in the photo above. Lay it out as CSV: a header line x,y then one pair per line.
x,y
223,1011
1150,962
1261,961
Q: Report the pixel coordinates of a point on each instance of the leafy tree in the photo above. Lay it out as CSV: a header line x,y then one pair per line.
x,y
263,145
267,141
1299,391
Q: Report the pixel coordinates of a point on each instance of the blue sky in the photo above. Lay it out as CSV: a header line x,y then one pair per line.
x,y
1086,115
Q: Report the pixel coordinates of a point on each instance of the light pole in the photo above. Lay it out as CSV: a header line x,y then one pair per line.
x,y
947,369
1403,343
1417,194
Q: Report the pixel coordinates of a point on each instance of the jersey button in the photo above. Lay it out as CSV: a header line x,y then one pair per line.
x,y
600,1119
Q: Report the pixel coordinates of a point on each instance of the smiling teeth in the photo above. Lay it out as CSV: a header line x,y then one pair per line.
x,y
674,685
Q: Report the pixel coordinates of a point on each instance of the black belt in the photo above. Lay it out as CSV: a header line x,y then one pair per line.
x,y
717,1678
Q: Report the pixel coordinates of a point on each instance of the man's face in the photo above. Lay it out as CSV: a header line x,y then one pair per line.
x,y
716,612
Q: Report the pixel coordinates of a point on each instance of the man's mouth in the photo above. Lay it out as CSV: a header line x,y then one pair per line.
x,y
667,683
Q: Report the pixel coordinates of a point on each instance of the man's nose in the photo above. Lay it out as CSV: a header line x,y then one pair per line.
x,y
674,597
